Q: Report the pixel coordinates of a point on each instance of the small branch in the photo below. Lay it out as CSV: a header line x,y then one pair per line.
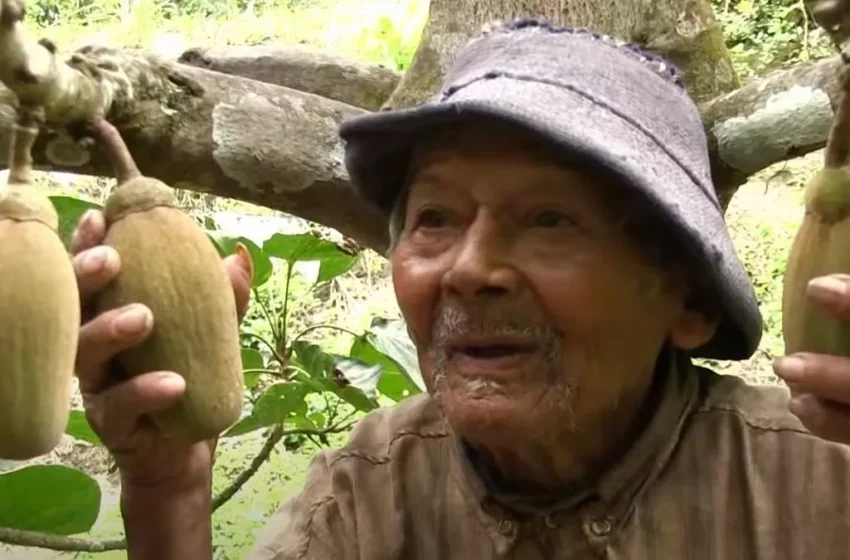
x,y
55,542
122,161
268,315
268,344
317,327
277,434
838,143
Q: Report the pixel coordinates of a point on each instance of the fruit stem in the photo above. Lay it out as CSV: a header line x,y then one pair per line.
x,y
123,164
24,135
838,143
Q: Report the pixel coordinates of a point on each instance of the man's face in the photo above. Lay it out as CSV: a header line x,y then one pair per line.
x,y
531,311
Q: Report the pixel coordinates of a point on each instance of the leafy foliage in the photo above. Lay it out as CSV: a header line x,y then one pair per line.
x,y
767,34
291,382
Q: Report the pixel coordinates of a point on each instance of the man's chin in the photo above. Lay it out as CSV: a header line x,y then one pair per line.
x,y
485,410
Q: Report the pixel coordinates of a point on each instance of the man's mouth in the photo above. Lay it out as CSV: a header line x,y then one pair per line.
x,y
490,353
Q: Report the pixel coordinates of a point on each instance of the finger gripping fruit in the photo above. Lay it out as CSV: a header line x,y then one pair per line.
x,y
39,314
820,248
170,265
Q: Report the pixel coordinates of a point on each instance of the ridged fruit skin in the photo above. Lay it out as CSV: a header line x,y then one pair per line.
x,y
39,325
170,265
821,247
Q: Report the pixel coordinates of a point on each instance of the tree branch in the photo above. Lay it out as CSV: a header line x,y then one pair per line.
x,y
361,85
226,135
783,115
17,537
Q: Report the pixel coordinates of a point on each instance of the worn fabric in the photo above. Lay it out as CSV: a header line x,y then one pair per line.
x,y
722,471
594,99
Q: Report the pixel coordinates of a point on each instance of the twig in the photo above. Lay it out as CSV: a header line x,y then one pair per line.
x,y
838,143
56,542
317,327
277,434
269,345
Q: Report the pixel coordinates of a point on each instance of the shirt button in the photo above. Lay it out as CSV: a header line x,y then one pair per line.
x,y
600,527
505,526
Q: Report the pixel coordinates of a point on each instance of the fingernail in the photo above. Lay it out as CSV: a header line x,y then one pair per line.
x,y
827,289
790,368
94,261
246,257
171,381
133,321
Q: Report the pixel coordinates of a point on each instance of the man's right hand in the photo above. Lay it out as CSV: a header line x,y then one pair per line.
x,y
117,407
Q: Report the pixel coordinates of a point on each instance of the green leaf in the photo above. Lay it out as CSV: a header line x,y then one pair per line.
x,y
315,361
79,427
362,376
280,402
393,381
391,338
295,248
50,499
226,245
323,375
252,359
70,210
246,425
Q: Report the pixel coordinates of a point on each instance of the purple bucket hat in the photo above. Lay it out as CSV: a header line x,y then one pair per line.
x,y
567,85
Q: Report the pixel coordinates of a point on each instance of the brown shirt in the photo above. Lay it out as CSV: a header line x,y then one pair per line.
x,y
723,471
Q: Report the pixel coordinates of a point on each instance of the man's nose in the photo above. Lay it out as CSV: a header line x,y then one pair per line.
x,y
483,262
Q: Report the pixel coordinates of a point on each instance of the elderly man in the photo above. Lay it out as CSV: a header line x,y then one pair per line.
x,y
560,257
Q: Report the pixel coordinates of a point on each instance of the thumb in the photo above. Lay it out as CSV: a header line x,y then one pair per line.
x,y
240,269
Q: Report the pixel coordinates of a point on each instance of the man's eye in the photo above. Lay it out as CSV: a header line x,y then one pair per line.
x,y
431,218
551,219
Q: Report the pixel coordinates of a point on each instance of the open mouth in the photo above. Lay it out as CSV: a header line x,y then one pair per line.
x,y
491,348
490,351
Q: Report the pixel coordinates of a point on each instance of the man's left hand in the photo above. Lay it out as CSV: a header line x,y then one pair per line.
x,y
819,383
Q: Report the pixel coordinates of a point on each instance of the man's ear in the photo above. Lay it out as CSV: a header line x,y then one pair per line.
x,y
693,328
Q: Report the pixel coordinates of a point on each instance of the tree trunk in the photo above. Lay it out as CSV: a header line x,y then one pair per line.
x,y
685,31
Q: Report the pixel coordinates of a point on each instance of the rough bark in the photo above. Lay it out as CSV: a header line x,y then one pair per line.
x,y
783,115
685,31
226,135
361,85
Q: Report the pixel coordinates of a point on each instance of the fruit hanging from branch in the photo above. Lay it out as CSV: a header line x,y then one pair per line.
x,y
169,264
39,311
822,244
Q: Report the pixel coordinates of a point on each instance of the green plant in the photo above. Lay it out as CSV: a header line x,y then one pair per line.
x,y
296,389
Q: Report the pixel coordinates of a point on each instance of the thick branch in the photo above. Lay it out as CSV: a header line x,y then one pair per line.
x,y
783,115
361,85
227,135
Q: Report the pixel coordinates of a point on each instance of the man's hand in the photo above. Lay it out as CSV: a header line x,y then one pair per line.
x,y
819,383
166,485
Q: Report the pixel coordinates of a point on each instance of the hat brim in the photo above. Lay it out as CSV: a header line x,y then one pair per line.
x,y
379,147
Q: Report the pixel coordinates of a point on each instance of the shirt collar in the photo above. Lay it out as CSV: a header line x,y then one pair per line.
x,y
675,393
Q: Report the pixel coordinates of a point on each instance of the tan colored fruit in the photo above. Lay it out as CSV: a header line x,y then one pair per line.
x,y
821,247
169,264
39,315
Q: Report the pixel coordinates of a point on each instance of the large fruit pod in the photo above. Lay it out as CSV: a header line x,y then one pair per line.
x,y
821,247
169,264
39,316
